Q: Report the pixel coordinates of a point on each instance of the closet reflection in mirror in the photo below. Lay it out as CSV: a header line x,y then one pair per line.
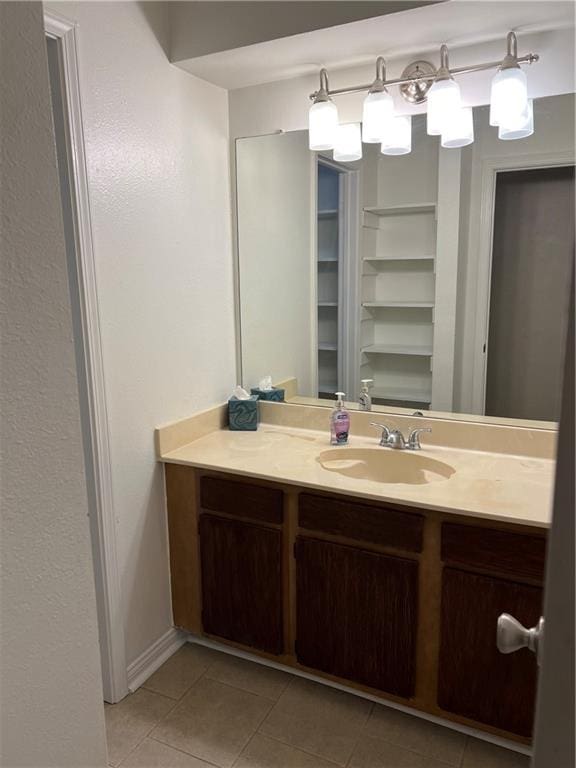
x,y
441,275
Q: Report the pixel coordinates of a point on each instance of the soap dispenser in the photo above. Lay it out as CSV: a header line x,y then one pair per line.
x,y
339,422
364,400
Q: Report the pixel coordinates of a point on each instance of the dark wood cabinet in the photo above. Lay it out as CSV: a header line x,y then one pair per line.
x,y
399,601
357,614
474,679
241,569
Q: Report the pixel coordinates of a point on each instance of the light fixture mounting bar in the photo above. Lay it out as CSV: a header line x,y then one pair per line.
x,y
530,58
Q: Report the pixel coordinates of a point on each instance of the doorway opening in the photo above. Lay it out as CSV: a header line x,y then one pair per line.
x,y
532,257
336,278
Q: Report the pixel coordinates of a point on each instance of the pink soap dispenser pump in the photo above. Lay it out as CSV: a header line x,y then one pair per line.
x,y
339,422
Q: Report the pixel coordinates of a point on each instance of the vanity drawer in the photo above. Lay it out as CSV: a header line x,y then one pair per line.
x,y
517,554
380,524
254,502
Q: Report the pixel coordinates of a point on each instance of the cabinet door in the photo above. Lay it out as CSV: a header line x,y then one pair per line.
x,y
242,582
475,679
356,615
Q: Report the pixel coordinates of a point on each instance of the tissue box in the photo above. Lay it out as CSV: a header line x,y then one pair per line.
x,y
243,414
274,394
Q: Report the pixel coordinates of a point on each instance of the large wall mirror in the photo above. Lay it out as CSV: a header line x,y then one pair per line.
x,y
442,276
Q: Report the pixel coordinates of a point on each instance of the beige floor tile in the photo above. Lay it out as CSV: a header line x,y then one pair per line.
x,y
263,752
249,676
129,721
153,754
213,722
375,753
317,719
481,754
181,670
417,735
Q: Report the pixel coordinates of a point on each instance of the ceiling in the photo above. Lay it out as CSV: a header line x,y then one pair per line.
x,y
414,31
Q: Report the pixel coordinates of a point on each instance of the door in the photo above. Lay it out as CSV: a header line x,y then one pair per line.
x,y
474,679
357,615
554,726
241,567
532,255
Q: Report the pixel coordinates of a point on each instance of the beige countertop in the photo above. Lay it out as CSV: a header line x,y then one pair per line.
x,y
496,486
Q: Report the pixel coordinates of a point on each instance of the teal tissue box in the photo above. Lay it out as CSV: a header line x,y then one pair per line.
x,y
275,395
243,414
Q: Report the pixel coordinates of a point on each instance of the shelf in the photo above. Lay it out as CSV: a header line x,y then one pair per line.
x,y
399,258
327,303
400,395
329,213
324,346
399,304
397,349
324,260
402,210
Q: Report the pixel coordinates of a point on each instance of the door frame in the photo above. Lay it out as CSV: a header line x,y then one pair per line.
x,y
348,273
103,524
491,167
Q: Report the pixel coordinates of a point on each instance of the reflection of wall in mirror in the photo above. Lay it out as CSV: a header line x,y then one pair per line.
x,y
275,239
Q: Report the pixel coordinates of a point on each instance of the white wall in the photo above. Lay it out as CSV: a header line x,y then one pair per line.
x,y
275,181
52,712
157,155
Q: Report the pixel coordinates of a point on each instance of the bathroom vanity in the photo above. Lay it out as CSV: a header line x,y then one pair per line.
x,y
391,588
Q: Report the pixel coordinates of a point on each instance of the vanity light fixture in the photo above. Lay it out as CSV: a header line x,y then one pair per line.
x,y
524,126
444,99
348,145
509,92
378,108
459,130
510,109
398,137
322,118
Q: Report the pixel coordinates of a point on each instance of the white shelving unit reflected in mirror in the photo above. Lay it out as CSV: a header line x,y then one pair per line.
x,y
399,232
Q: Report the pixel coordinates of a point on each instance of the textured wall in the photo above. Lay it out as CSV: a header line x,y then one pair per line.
x,y
157,155
52,713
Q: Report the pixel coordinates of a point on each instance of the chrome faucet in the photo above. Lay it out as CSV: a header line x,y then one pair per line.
x,y
393,438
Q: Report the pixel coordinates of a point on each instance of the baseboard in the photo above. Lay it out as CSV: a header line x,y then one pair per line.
x,y
153,657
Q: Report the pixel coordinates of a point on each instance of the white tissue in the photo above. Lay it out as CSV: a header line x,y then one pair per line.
x,y
240,393
265,384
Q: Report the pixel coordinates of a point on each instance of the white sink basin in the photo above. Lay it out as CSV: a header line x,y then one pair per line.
x,y
383,465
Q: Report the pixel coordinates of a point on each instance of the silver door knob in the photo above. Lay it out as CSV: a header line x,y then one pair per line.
x,y
511,636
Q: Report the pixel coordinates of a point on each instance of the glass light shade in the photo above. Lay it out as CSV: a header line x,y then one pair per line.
x,y
508,97
322,125
378,109
443,100
398,137
348,145
459,130
523,128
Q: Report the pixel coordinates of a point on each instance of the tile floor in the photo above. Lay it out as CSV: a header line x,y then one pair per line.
x,y
203,709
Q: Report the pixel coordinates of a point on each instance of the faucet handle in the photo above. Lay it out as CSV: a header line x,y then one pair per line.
x,y
385,431
414,437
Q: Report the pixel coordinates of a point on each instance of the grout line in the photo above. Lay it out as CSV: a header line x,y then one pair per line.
x,y
244,748
149,731
464,751
299,749
276,703
360,733
183,752
415,752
